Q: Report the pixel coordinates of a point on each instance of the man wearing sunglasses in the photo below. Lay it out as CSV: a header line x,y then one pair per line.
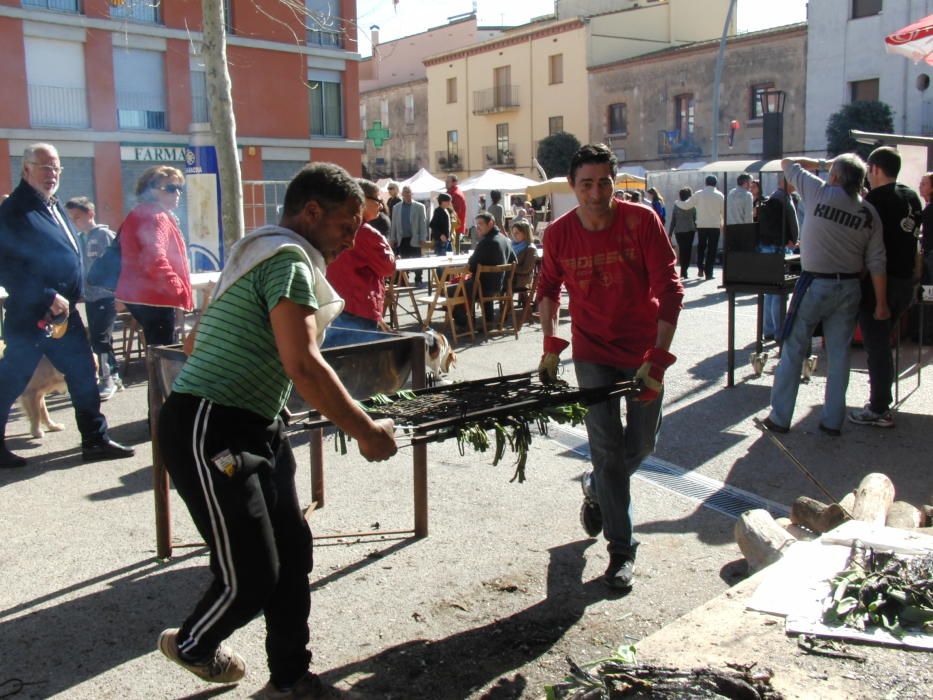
x,y
40,268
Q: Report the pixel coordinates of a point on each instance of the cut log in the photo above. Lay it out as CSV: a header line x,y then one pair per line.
x,y
927,516
800,533
903,515
761,540
873,498
816,516
847,502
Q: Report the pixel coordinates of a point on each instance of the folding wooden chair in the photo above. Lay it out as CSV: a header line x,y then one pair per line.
x,y
451,299
503,296
526,295
397,287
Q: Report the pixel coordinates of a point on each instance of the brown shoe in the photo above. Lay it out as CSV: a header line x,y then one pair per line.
x,y
225,666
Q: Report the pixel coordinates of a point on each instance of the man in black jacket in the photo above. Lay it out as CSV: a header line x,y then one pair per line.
x,y
493,248
900,211
40,268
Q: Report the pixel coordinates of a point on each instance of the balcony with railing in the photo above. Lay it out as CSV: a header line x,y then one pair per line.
x,y
137,11
50,105
498,155
73,6
672,144
141,111
502,98
447,160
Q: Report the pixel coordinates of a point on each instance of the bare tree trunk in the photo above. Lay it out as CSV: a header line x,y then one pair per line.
x,y
223,123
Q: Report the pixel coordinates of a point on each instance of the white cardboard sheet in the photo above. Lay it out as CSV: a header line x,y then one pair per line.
x,y
796,586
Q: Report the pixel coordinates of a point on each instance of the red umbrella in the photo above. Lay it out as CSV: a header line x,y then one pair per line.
x,y
914,41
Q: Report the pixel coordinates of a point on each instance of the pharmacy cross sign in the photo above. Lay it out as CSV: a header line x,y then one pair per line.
x,y
378,134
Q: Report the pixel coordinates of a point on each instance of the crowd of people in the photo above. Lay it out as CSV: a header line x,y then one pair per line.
x,y
324,265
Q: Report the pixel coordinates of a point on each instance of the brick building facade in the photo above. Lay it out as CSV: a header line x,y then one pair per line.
x,y
118,89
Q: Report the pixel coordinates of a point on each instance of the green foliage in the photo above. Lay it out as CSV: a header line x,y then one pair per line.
x,y
864,116
555,152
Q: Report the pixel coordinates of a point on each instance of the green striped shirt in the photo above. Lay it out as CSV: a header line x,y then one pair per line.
x,y
235,360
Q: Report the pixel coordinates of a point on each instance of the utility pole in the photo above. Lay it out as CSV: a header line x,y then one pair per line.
x,y
717,79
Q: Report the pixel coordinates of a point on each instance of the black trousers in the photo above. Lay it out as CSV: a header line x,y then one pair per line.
x,y
407,250
158,323
100,317
707,243
260,544
70,355
685,250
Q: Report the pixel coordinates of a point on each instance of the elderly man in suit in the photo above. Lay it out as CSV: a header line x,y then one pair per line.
x,y
40,267
409,228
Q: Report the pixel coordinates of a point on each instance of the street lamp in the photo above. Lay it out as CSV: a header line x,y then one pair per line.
x,y
772,123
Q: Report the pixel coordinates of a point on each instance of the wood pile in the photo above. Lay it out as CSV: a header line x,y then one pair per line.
x,y
764,539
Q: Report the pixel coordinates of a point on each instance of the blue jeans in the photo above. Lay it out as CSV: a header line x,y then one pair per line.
x,y
835,303
70,355
617,450
773,302
348,329
441,248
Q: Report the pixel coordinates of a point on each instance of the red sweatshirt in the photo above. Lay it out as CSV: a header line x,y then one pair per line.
x,y
458,201
358,275
621,282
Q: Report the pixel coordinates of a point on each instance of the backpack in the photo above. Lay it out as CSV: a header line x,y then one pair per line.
x,y
105,271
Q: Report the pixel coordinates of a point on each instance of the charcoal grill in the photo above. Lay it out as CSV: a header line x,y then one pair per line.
x,y
436,413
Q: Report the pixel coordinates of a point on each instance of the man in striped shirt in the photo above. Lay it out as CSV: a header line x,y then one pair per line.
x,y
223,440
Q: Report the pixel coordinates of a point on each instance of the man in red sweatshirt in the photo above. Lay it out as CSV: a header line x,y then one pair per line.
x,y
458,201
616,262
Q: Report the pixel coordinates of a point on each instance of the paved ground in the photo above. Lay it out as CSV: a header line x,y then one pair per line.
x,y
489,604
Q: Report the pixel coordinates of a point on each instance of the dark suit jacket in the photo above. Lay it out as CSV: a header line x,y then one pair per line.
x,y
492,249
37,259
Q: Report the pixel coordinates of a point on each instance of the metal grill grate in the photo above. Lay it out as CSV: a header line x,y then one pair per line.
x,y
711,493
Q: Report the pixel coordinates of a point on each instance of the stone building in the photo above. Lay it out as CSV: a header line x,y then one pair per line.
x,y
655,110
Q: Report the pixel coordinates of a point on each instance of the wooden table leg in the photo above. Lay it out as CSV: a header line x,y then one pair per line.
x,y
316,442
419,452
160,485
730,376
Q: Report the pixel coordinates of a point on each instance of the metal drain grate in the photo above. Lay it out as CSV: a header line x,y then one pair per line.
x,y
711,493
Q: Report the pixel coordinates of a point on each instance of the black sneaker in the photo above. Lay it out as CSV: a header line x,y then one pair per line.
x,y
309,687
8,460
591,517
620,572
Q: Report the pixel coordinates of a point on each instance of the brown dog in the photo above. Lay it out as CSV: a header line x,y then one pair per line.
x,y
45,380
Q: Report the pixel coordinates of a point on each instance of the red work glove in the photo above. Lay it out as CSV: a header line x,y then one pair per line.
x,y
651,373
547,368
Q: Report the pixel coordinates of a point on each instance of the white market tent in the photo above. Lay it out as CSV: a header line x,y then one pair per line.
x,y
422,184
489,180
562,197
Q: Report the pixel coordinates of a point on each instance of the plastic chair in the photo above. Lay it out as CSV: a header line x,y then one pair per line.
x,y
504,296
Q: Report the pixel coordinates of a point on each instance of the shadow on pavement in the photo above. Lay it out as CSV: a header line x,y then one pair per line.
x,y
57,646
475,657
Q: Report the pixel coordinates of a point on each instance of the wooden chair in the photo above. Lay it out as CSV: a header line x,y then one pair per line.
x,y
397,287
451,299
526,296
504,296
132,333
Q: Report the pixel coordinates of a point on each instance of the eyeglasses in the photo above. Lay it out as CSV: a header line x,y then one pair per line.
x,y
374,199
172,189
49,169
